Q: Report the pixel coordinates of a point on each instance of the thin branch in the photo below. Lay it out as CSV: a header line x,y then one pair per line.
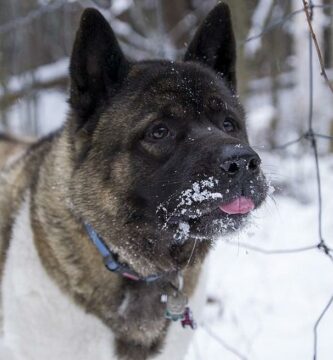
x,y
273,26
307,10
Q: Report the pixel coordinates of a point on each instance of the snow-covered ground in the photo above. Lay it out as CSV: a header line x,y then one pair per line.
x,y
265,306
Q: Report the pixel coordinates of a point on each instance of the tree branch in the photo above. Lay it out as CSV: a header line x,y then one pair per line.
x,y
307,10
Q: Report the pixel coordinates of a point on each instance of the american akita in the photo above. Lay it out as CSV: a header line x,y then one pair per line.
x,y
151,166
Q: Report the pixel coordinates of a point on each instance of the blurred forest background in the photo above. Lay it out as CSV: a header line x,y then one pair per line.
x,y
36,37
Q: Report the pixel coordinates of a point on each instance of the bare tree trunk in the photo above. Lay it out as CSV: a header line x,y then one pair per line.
x,y
241,20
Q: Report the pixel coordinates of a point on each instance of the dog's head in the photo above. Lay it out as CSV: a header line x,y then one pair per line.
x,y
161,152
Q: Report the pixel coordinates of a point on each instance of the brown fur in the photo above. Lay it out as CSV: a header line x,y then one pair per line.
x,y
12,148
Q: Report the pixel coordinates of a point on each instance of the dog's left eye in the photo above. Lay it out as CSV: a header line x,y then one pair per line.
x,y
229,124
159,132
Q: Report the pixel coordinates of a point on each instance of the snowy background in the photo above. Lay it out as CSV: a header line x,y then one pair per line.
x,y
260,306
265,306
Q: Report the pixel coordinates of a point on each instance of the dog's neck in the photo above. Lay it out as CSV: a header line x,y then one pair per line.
x,y
110,261
74,263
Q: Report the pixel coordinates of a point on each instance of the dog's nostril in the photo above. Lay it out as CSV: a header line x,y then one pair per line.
x,y
233,168
254,164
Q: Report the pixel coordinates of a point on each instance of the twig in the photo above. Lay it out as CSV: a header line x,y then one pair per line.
x,y
273,26
282,21
320,57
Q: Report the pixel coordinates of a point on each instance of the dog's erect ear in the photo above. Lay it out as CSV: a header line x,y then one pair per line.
x,y
97,66
214,44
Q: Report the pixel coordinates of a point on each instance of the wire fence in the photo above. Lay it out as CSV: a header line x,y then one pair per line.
x,y
309,136
312,138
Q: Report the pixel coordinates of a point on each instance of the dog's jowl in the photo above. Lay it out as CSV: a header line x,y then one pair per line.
x,y
105,224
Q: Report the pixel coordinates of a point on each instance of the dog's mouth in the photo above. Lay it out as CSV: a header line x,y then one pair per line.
x,y
203,212
214,219
238,205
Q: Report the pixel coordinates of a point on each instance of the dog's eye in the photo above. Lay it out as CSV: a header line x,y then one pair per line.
x,y
159,132
229,124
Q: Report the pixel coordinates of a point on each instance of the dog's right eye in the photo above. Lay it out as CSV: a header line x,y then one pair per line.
x,y
159,132
229,125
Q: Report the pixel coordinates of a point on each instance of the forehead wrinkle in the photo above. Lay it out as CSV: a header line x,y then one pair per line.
x,y
169,109
176,82
188,86
229,101
229,107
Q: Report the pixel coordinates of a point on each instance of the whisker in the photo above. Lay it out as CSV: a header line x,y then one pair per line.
x,y
192,252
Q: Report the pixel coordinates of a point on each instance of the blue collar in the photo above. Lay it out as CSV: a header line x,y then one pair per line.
x,y
109,258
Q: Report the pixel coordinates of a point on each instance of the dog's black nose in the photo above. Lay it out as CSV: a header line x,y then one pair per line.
x,y
238,159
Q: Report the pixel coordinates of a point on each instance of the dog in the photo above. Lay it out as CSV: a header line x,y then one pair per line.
x,y
106,223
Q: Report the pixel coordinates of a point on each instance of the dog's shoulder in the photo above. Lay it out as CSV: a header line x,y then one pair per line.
x,y
19,170
38,312
15,178
11,149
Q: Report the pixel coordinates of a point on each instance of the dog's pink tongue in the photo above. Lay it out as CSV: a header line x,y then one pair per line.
x,y
241,205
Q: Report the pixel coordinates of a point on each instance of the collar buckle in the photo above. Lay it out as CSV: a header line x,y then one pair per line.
x,y
110,263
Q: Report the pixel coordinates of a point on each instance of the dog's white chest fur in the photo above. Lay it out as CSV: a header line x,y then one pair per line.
x,y
40,322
